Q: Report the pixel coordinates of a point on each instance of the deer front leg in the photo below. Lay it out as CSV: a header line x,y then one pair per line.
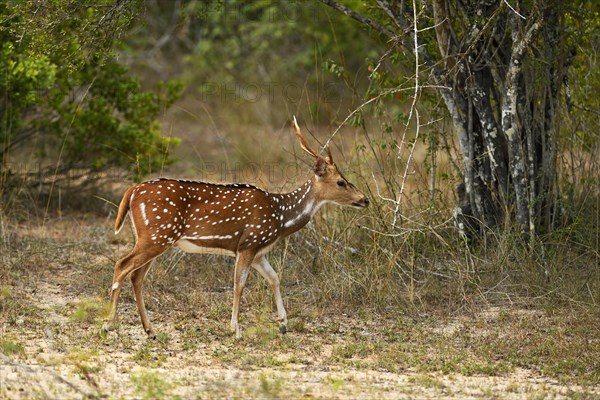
x,y
242,265
265,269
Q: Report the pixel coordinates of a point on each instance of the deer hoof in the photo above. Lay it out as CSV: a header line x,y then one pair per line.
x,y
151,334
283,329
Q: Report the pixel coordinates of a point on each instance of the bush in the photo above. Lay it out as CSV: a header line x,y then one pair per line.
x,y
65,97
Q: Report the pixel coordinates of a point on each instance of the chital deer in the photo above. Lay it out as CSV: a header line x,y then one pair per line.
x,y
237,220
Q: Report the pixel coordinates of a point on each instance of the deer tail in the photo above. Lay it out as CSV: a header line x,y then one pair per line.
x,y
123,210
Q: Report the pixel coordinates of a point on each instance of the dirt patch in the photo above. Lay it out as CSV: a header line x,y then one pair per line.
x,y
58,364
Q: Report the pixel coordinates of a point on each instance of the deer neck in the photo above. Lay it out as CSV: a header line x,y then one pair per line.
x,y
298,207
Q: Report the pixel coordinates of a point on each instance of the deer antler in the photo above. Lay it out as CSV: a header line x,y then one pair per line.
x,y
302,140
329,157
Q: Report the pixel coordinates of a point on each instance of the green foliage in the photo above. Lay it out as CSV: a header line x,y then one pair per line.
x,y
240,38
22,77
115,124
65,95
583,24
287,51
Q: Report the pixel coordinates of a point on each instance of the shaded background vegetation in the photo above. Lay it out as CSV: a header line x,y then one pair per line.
x,y
97,96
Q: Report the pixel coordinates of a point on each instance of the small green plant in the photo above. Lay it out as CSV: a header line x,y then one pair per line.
x,y
163,338
484,368
297,325
8,348
335,383
353,349
262,333
90,310
145,356
5,292
263,360
81,359
427,381
78,355
151,386
270,386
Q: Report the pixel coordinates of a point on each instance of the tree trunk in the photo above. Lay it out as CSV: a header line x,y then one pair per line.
x,y
502,103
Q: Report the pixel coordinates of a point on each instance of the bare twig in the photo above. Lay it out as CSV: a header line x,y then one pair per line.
x,y
380,95
400,23
582,108
353,14
515,11
416,113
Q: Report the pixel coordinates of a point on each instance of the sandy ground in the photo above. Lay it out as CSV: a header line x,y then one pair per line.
x,y
108,370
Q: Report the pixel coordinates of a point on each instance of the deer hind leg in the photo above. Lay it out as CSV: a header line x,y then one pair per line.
x,y
264,268
137,281
125,266
242,265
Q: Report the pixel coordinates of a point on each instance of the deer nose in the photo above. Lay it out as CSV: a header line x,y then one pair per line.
x,y
366,201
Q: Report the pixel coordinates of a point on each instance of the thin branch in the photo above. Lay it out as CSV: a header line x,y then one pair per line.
x,y
385,93
353,14
383,57
398,20
515,11
586,109
433,26
396,39
413,108
21,136
379,192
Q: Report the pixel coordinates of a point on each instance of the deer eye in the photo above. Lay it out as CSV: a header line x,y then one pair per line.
x,y
341,183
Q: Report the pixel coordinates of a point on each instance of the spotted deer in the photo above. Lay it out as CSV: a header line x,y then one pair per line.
x,y
237,220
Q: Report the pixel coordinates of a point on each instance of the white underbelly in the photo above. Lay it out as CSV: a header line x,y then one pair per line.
x,y
190,247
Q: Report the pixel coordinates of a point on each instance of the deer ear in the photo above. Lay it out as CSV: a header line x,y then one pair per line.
x,y
320,167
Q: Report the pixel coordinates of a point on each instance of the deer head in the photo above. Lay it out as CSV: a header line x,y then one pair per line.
x,y
329,182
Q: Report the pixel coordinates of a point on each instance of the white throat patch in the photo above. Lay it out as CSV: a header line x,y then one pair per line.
x,y
309,209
